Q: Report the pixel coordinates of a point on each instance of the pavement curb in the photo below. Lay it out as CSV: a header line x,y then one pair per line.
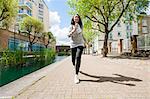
x,y
9,91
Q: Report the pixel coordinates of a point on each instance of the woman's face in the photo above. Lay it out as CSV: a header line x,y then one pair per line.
x,y
76,19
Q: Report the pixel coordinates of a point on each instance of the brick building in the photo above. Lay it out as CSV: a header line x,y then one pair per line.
x,y
12,41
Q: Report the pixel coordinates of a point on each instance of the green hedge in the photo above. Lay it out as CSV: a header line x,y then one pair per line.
x,y
11,58
63,53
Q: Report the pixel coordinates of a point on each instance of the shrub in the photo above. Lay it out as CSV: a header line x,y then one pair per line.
x,y
63,53
9,58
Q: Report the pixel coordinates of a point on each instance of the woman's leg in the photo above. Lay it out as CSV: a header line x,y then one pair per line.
x,y
78,58
73,53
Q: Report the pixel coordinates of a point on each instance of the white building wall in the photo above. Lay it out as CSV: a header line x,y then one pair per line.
x,y
44,17
122,29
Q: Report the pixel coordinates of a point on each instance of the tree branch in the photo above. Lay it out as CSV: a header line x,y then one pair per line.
x,y
47,43
113,7
2,17
96,21
34,37
91,19
98,29
122,3
123,10
100,13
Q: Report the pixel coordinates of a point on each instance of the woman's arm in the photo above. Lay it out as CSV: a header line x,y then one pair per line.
x,y
74,27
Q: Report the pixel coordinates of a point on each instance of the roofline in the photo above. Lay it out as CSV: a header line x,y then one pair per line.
x,y
45,3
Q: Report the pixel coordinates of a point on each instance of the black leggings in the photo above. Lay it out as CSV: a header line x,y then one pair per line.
x,y
76,57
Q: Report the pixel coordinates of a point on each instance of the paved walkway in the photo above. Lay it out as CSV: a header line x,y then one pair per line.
x,y
101,78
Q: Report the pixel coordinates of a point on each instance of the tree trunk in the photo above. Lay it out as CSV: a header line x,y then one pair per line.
x,y
46,46
30,47
30,43
133,44
88,49
105,47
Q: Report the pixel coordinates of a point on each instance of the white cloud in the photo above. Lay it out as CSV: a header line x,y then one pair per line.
x,y
54,18
59,33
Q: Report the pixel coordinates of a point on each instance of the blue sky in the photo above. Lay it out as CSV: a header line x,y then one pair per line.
x,y
59,20
62,8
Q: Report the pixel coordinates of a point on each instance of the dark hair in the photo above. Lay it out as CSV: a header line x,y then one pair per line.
x,y
80,21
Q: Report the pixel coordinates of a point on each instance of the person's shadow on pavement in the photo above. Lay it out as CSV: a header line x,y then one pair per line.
x,y
119,80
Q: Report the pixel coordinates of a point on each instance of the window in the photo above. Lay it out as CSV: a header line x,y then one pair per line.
x,y
110,35
17,44
40,18
13,43
21,10
40,12
119,34
144,30
127,27
130,27
130,33
127,35
119,24
29,12
144,23
41,6
21,1
29,4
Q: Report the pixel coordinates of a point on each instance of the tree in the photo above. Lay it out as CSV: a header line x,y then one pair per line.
x,y
89,34
34,29
107,13
48,38
8,11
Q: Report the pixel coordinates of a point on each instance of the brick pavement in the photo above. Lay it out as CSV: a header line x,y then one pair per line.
x,y
101,78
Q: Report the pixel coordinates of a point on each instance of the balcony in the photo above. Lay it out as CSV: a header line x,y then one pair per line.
x,y
26,4
24,12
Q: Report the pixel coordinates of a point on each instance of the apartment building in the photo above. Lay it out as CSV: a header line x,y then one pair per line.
x,y
35,8
41,12
119,37
143,32
122,33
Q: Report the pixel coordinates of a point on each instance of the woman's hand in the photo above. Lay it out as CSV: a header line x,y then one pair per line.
x,y
73,29
76,25
70,34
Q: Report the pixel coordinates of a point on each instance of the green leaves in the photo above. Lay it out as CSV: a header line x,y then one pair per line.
x,y
48,38
8,9
103,12
37,25
31,24
88,33
8,12
34,26
27,24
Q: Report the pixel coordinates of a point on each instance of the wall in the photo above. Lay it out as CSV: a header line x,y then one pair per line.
x,y
5,35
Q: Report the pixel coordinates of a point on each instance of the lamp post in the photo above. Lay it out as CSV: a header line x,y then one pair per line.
x,y
29,30
16,29
14,37
39,39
